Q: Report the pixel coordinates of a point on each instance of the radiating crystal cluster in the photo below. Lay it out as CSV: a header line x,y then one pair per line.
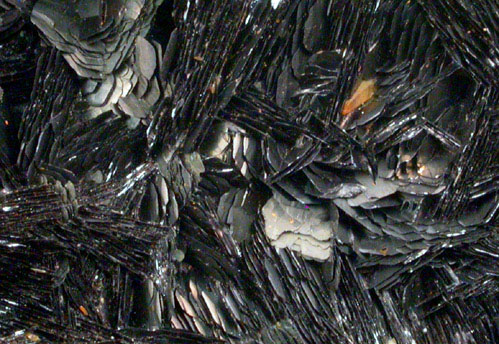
x,y
249,171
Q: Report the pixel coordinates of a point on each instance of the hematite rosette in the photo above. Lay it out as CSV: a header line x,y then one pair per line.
x,y
249,171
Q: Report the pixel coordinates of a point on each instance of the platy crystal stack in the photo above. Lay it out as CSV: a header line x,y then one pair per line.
x,y
249,171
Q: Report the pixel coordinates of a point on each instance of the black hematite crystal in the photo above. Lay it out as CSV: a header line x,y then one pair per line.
x,y
249,171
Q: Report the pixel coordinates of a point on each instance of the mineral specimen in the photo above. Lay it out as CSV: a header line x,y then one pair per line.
x,y
249,171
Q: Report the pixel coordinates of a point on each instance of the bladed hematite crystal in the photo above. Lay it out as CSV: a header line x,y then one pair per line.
x,y
249,171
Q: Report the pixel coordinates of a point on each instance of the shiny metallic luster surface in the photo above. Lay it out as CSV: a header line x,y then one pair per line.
x,y
249,171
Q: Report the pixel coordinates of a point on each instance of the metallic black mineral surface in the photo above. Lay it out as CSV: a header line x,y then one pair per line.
x,y
249,171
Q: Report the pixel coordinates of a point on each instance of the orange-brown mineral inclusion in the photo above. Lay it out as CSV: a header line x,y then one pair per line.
x,y
363,93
